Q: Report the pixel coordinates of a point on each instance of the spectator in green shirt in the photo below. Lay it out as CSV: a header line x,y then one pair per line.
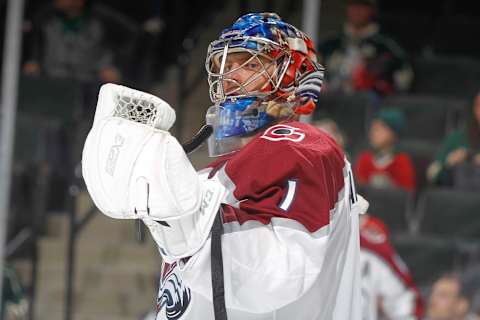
x,y
361,58
75,39
460,147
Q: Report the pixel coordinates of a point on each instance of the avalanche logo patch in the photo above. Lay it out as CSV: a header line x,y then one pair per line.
x,y
174,296
283,132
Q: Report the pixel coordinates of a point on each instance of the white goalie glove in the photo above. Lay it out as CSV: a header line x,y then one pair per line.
x,y
134,169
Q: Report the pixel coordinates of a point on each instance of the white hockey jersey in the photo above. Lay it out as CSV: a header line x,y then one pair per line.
x,y
291,235
387,286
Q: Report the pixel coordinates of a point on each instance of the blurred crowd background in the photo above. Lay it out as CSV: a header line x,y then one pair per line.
x,y
402,96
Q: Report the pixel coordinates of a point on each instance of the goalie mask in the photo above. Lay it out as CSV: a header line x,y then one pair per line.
x,y
259,59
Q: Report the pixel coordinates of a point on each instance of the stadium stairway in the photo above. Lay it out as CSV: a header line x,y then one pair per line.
x,y
115,277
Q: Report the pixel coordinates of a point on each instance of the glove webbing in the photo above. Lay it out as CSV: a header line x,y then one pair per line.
x,y
218,289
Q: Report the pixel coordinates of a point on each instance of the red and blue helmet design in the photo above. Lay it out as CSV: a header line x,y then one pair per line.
x,y
285,71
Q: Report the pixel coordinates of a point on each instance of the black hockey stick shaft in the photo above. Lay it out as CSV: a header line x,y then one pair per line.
x,y
198,139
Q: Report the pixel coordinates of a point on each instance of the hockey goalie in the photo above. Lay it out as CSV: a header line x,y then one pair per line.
x,y
270,229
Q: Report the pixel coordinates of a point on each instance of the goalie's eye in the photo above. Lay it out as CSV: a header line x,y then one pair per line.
x,y
253,65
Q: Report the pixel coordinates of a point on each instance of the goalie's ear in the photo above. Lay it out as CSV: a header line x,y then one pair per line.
x,y
134,105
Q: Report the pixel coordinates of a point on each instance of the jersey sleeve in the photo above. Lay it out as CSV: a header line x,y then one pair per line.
x,y
279,224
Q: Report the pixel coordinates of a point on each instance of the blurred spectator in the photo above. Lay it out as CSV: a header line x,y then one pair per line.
x,y
383,165
448,300
387,285
363,59
471,281
331,127
458,159
14,303
76,39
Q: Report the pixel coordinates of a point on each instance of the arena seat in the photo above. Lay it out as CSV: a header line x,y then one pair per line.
x,y
412,34
450,213
426,258
393,206
47,97
350,112
447,76
448,39
422,154
428,118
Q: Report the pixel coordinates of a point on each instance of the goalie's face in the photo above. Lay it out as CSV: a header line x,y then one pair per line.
x,y
241,72
245,73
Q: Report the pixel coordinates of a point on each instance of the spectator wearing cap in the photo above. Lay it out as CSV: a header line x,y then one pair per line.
x,y
459,153
384,165
361,58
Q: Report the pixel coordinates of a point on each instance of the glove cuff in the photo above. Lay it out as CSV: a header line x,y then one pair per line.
x,y
182,236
